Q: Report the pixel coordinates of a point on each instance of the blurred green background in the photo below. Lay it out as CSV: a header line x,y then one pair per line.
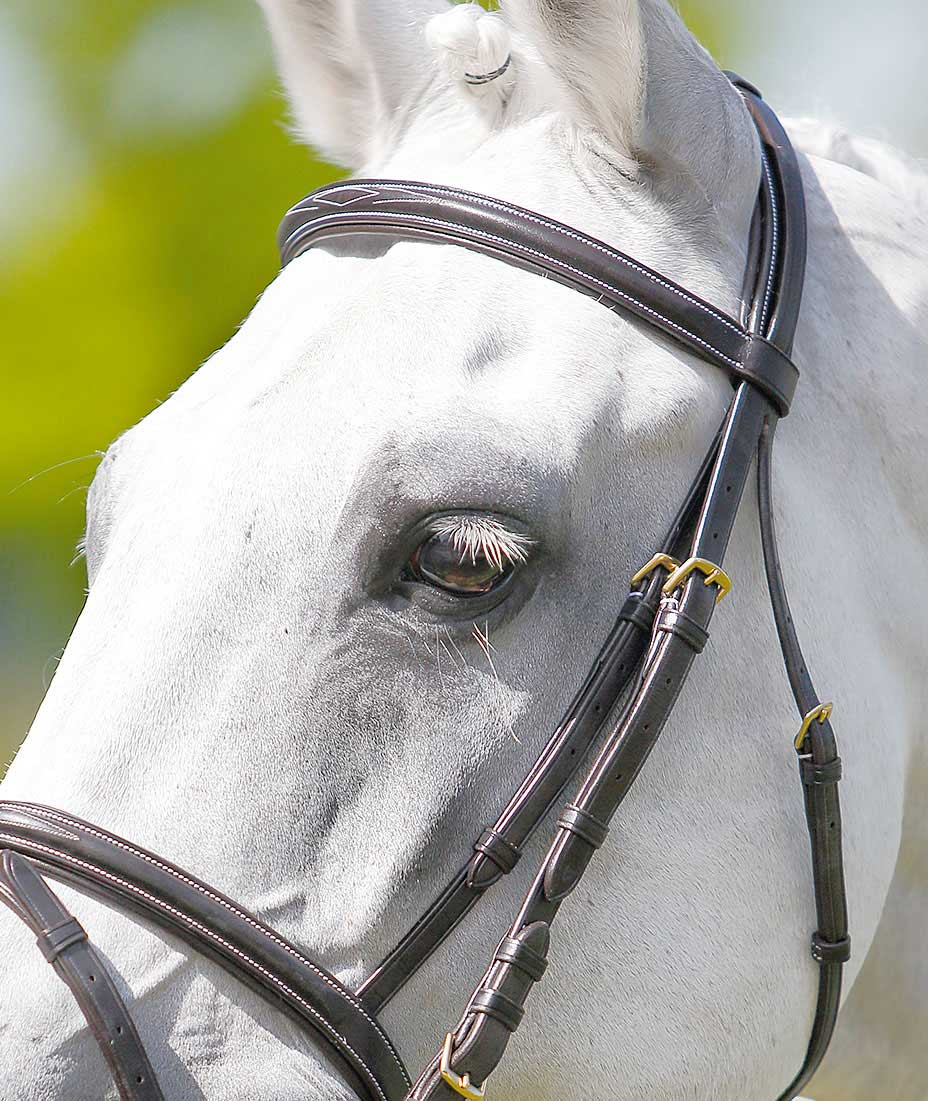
x,y
125,130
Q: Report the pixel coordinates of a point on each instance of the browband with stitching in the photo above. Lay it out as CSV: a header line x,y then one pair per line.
x,y
407,210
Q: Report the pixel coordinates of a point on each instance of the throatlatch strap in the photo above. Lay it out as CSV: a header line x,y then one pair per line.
x,y
783,204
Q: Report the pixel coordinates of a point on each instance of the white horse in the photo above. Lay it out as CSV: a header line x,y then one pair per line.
x,y
254,691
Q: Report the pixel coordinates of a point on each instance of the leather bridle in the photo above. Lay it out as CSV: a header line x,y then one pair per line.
x,y
660,628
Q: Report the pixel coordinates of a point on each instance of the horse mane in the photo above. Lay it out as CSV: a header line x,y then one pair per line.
x,y
905,176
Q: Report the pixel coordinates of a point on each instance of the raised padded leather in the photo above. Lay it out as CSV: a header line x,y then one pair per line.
x,y
430,212
75,851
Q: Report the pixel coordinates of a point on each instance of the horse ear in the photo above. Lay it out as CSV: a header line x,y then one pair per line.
x,y
594,51
352,69
632,72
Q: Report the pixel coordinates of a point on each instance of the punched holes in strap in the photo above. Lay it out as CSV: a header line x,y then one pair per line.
x,y
814,775
503,853
521,955
52,942
585,825
827,951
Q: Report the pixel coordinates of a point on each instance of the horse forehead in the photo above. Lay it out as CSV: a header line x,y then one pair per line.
x,y
349,348
344,353
341,362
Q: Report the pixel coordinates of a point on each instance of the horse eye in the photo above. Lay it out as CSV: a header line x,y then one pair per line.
x,y
442,562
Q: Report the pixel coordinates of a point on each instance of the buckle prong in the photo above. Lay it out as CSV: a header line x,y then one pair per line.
x,y
460,1083
822,713
659,560
715,575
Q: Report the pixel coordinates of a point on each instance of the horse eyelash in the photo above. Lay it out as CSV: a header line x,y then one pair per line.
x,y
482,536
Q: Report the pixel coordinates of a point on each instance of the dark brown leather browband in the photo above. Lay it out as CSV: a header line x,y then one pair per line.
x,y
661,627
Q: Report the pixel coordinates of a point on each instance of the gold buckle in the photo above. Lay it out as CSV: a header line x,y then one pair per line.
x,y
460,1083
822,713
715,575
663,560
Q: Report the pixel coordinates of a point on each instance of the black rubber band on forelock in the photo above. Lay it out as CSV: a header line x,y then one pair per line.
x,y
488,78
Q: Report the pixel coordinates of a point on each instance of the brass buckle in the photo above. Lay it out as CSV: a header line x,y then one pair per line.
x,y
662,560
460,1083
715,575
822,713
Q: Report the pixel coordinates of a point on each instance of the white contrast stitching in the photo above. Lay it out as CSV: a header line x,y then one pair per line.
x,y
546,223
268,933
206,931
419,219
775,239
55,831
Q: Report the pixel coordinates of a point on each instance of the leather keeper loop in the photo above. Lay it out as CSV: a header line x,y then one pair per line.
x,y
772,372
826,951
523,956
637,612
685,628
585,825
496,848
498,1006
820,775
52,942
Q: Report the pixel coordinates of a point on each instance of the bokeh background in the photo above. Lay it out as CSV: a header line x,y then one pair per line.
x,y
126,128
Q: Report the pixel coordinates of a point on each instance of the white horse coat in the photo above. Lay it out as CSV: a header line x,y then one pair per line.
x,y
249,693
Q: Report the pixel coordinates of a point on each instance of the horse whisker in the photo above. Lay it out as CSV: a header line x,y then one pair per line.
x,y
456,648
422,640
